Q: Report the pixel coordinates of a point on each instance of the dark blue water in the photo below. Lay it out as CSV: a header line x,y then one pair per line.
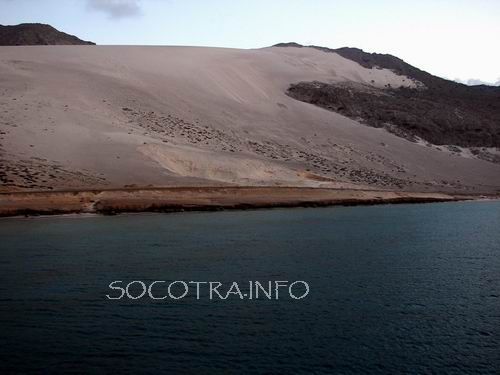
x,y
393,289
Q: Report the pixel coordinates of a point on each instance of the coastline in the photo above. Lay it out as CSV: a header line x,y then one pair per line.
x,y
175,199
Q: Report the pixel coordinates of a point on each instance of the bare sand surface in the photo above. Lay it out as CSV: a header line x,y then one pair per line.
x,y
85,117
200,199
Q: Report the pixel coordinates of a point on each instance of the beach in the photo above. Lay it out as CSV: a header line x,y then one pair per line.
x,y
112,201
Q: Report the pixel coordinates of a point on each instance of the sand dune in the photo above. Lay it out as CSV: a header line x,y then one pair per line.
x,y
94,117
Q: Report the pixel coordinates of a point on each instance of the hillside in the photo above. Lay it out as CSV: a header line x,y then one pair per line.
x,y
74,117
28,34
441,112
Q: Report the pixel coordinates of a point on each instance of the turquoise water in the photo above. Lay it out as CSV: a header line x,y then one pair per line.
x,y
393,289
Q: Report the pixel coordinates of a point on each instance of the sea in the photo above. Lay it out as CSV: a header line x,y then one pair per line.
x,y
389,289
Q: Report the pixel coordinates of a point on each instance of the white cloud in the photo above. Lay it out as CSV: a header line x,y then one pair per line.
x,y
475,82
116,9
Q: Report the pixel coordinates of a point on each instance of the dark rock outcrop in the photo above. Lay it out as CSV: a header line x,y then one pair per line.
x,y
439,119
29,34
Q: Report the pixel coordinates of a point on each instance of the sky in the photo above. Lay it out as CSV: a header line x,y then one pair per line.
x,y
454,39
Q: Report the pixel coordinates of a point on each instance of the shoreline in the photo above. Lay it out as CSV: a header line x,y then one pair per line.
x,y
178,199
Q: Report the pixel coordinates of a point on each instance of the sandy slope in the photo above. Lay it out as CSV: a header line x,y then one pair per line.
x,y
82,117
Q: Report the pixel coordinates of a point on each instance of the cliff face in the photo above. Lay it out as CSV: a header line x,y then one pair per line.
x,y
29,34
